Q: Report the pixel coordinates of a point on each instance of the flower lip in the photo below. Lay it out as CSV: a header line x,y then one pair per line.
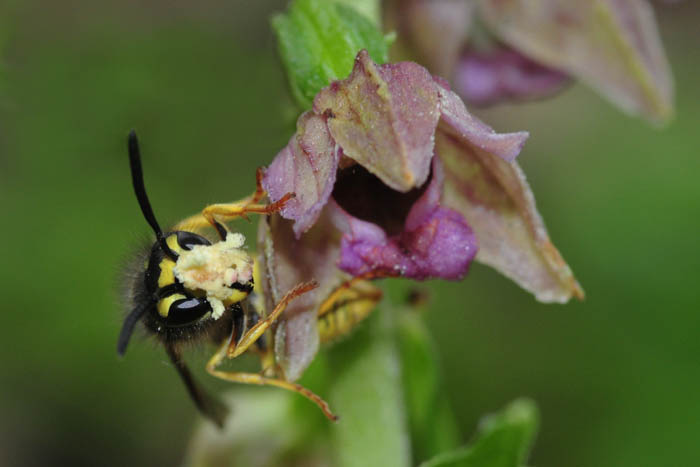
x,y
431,241
364,196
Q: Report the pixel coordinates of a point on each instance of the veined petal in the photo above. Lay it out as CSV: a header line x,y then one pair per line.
x,y
436,241
613,45
384,117
495,199
488,77
458,122
307,167
286,261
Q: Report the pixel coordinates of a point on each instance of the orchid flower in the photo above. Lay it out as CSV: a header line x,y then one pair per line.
x,y
395,178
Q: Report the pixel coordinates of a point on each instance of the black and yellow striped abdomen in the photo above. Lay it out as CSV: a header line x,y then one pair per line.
x,y
345,308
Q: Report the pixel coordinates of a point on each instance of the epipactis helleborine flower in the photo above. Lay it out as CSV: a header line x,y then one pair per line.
x,y
393,177
612,45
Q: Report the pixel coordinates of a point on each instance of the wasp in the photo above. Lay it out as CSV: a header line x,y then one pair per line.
x,y
189,288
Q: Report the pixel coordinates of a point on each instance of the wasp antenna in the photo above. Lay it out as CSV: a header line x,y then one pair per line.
x,y
141,196
128,327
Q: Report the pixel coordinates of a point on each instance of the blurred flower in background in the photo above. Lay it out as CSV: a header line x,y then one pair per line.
x,y
501,74
497,50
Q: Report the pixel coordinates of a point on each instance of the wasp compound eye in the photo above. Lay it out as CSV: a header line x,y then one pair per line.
x,y
187,311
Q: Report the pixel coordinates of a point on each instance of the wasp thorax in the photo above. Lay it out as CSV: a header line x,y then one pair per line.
x,y
215,269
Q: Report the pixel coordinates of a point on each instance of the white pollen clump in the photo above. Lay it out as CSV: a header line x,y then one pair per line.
x,y
214,268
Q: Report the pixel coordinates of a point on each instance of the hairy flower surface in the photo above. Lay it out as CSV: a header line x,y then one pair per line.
x,y
394,178
612,45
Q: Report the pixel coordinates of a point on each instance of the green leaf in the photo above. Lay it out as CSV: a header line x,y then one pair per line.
x,y
433,428
366,393
503,440
369,8
318,41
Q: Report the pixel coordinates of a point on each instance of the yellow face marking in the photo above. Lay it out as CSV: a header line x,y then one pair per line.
x,y
172,243
164,304
236,296
167,276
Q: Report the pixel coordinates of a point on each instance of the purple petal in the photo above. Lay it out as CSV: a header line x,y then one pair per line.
x,y
384,117
296,342
436,241
307,167
457,121
286,261
613,45
485,78
497,202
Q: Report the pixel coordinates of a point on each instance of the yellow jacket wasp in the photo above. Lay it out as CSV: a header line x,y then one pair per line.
x,y
190,289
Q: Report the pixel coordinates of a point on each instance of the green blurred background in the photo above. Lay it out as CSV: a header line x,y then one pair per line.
x,y
617,377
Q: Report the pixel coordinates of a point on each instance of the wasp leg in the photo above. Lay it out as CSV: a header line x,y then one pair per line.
x,y
215,215
358,283
259,190
254,378
253,334
197,223
210,407
230,211
347,306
